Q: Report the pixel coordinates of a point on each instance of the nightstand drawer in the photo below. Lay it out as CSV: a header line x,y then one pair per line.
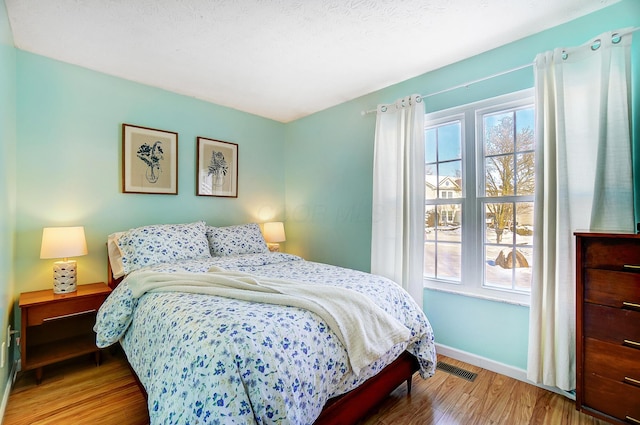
x,y
64,308
57,327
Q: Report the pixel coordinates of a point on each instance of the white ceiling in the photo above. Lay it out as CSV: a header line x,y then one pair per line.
x,y
280,59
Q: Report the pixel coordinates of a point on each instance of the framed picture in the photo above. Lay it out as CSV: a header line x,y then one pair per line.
x,y
217,168
149,160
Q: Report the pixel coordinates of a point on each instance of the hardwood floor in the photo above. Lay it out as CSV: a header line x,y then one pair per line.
x,y
491,399
78,392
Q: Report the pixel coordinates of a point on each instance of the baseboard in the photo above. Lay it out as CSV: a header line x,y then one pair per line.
x,y
7,389
495,366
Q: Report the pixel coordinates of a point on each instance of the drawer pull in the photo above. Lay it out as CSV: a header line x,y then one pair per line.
x,y
93,310
630,343
632,420
631,266
631,381
630,306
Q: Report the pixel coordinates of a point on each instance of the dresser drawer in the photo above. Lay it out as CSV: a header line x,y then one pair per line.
x,y
615,362
610,324
37,314
616,289
611,253
619,400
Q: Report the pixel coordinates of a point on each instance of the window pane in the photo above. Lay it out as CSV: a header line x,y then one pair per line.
x,y
524,223
499,175
430,223
442,248
448,261
430,185
429,260
525,173
449,142
498,218
508,245
524,130
523,271
449,174
497,273
498,133
449,219
430,144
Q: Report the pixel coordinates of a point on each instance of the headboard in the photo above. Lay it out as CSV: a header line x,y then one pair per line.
x,y
112,282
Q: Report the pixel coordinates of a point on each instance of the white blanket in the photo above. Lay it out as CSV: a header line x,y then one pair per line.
x,y
366,331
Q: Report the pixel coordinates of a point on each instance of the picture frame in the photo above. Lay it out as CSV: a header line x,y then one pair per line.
x,y
216,168
149,160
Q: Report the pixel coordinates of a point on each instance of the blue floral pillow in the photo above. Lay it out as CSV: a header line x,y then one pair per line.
x,y
236,240
163,243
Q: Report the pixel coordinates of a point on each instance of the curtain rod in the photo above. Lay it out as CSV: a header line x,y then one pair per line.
x,y
479,80
467,84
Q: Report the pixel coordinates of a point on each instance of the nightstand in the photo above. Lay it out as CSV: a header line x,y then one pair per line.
x,y
58,327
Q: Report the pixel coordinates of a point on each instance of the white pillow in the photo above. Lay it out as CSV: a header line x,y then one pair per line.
x,y
236,240
163,243
115,254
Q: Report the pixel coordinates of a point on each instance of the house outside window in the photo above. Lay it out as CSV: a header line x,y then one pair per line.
x,y
479,187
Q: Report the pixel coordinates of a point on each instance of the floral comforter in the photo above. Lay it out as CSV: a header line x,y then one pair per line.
x,y
213,360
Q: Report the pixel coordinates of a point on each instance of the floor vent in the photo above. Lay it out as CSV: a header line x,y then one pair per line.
x,y
457,371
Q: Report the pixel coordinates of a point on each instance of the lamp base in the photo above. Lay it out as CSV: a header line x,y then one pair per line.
x,y
64,277
273,247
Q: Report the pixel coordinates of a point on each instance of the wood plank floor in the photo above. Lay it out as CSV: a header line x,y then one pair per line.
x,y
78,392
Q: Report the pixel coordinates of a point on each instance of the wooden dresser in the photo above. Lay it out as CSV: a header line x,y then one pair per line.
x,y
608,326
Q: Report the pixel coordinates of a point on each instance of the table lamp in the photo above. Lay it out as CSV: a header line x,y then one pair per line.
x,y
63,242
274,233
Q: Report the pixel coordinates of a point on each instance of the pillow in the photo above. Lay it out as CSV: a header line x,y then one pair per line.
x,y
115,254
163,243
236,240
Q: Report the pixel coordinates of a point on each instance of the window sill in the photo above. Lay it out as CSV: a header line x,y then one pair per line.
x,y
515,299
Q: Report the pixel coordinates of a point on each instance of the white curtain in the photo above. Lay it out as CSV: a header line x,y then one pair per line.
x,y
583,182
397,237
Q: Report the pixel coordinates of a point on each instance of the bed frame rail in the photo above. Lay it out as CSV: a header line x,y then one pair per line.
x,y
349,408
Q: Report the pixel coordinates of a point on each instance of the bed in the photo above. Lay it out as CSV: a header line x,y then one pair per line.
x,y
211,356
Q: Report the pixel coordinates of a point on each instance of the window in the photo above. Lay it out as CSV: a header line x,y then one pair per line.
x,y
479,187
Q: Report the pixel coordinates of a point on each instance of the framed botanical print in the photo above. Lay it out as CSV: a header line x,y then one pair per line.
x,y
216,168
149,160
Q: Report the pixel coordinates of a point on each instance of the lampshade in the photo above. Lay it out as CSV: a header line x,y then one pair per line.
x,y
274,232
63,242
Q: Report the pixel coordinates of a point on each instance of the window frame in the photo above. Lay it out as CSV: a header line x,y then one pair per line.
x,y
473,197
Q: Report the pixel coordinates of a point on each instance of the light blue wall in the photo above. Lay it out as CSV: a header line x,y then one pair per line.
x,y
69,162
329,174
328,165
7,181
